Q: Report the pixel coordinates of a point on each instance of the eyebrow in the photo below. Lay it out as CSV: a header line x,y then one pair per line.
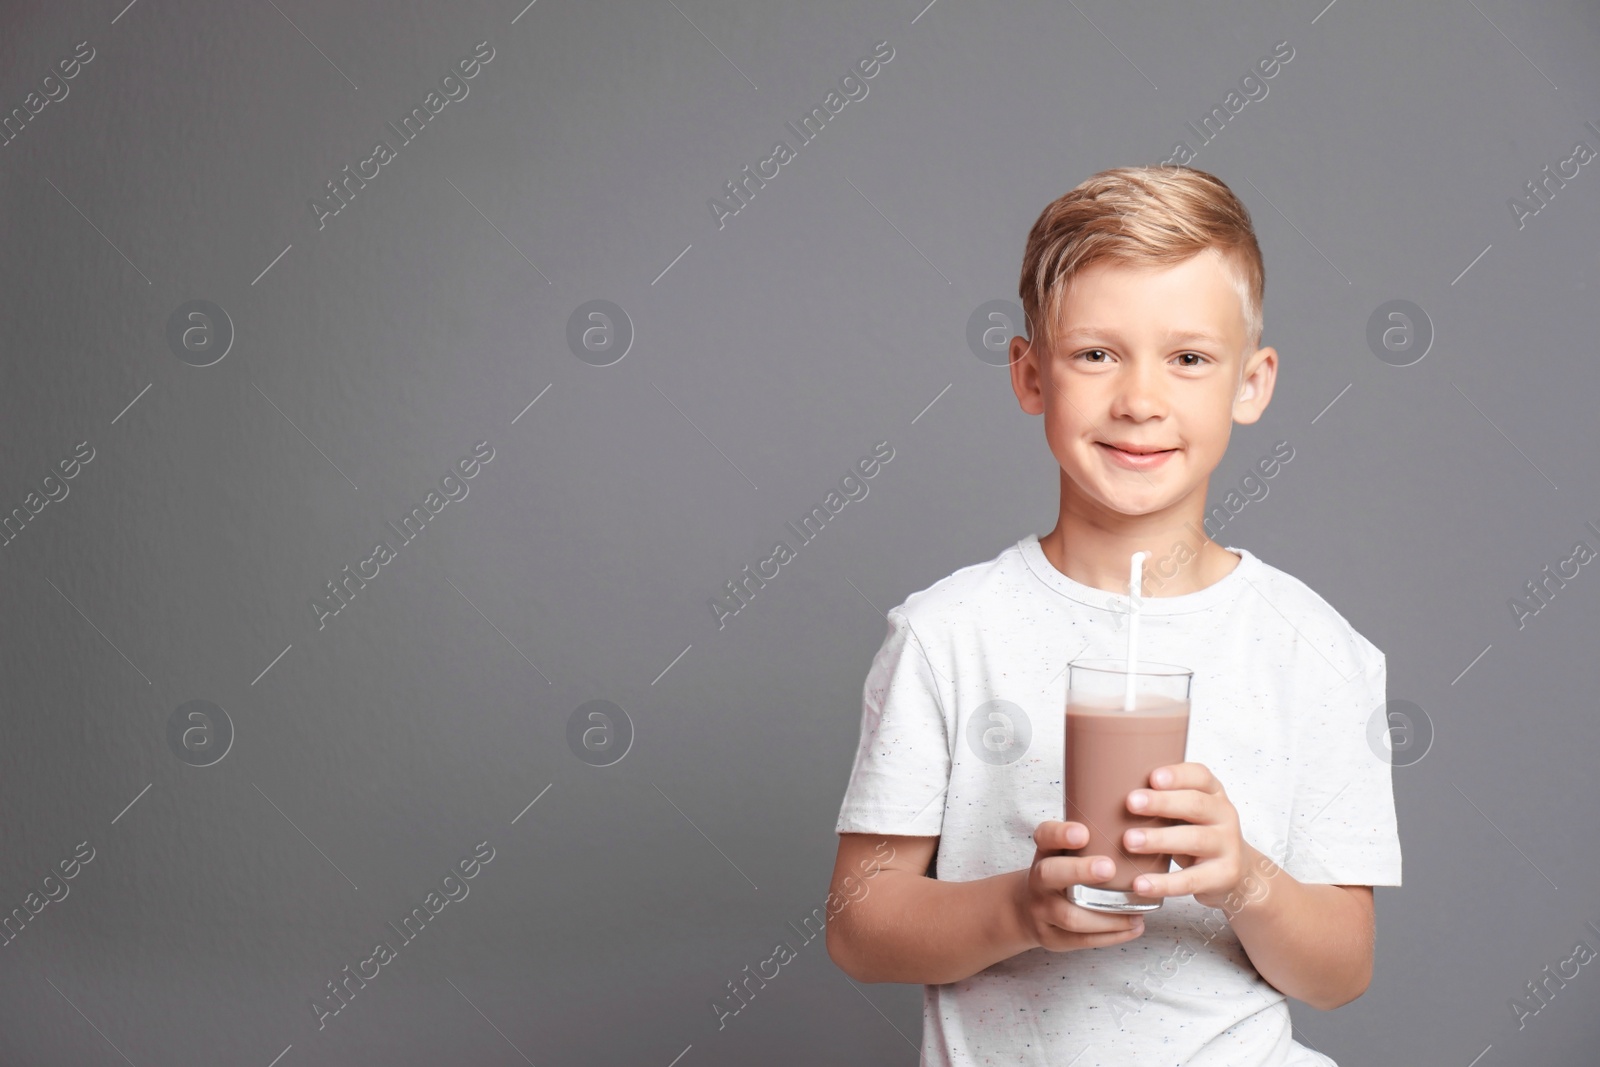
x,y
1176,335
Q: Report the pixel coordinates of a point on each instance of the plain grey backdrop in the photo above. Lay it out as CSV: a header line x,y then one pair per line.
x,y
367,352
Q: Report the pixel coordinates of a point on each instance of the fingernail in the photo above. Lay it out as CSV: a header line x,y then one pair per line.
x,y
1137,801
1102,868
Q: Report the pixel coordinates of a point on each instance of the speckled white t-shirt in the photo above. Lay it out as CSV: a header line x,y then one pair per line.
x,y
1282,707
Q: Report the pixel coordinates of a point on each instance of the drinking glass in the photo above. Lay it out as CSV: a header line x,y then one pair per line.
x,y
1110,752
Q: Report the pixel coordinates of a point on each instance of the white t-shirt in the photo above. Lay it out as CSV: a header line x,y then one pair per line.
x,y
1282,707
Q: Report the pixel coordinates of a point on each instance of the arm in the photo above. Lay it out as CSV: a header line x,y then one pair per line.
x,y
903,926
1312,942
908,927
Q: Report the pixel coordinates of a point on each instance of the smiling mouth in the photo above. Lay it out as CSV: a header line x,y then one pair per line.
x,y
1141,452
1138,461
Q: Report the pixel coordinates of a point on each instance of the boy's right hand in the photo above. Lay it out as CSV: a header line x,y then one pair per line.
x,y
1047,916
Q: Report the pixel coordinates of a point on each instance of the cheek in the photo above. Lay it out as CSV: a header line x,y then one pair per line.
x,y
1210,422
1064,432
1070,404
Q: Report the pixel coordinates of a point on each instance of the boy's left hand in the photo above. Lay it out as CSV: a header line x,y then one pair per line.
x,y
1211,851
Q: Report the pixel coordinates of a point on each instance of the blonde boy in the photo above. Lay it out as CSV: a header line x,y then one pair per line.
x,y
1146,288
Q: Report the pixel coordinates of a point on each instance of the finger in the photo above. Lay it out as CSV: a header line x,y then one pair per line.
x,y
1189,805
1054,836
1185,776
1113,937
1059,872
1086,923
1214,875
1095,938
1187,840
1071,918
1155,885
1069,942
1176,884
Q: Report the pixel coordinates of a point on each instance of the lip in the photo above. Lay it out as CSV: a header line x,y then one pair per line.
x,y
1133,460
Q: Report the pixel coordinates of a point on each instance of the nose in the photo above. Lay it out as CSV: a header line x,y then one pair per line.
x,y
1140,391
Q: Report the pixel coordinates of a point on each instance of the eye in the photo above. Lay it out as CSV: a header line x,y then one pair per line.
x,y
1196,355
1090,352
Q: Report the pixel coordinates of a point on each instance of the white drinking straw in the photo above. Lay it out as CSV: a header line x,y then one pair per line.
x,y
1135,581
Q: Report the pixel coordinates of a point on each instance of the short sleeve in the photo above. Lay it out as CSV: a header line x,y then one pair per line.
x,y
1342,828
902,765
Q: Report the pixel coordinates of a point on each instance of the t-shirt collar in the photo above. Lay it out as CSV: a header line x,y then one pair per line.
x,y
1216,593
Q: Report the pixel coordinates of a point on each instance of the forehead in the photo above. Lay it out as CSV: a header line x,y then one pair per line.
x,y
1199,299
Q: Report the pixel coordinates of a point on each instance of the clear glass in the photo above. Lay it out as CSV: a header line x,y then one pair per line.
x,y
1110,753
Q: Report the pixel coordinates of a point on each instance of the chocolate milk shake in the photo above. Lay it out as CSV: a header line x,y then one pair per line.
x,y
1110,753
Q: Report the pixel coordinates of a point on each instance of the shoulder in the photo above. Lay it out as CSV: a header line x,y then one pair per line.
x,y
1314,620
963,596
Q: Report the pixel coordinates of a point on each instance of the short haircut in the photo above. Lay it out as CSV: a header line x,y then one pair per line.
x,y
1139,217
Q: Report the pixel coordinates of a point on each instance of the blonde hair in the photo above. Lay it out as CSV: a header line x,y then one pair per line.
x,y
1139,217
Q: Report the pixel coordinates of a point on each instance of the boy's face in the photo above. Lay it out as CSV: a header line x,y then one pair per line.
x,y
1123,373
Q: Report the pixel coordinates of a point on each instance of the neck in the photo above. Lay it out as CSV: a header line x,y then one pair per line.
x,y
1092,545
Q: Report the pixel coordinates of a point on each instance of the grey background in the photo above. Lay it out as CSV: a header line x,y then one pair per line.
x,y
824,318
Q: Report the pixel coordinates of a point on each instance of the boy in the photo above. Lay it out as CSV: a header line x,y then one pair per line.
x,y
1146,286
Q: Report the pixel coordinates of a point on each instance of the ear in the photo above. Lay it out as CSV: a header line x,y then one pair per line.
x,y
1255,389
1026,379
